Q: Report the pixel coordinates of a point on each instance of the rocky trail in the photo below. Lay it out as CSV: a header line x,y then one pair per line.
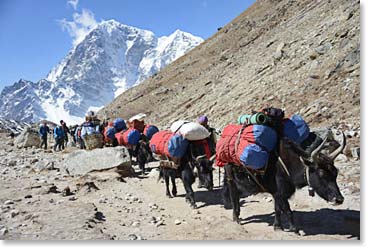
x,y
36,204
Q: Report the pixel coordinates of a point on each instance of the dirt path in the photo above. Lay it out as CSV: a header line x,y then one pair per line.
x,y
137,208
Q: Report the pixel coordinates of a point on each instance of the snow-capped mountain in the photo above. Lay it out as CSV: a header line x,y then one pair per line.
x,y
112,58
16,127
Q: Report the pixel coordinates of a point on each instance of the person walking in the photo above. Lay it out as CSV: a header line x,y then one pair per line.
x,y
43,131
66,132
203,120
59,137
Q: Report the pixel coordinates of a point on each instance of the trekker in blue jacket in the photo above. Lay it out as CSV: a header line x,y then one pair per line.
x,y
43,131
59,136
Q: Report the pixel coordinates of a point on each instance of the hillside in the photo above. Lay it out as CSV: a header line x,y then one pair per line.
x,y
303,56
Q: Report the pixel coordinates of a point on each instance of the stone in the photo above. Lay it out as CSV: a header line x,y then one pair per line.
x,y
313,56
153,205
153,220
133,237
341,158
135,224
28,138
28,196
12,163
8,202
14,213
279,51
3,231
34,161
355,152
159,223
67,191
322,49
177,222
52,189
83,161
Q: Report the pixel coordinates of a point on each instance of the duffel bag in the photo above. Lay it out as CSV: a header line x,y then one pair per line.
x,y
150,130
296,129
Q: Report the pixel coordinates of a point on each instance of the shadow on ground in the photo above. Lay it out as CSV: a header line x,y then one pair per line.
x,y
323,221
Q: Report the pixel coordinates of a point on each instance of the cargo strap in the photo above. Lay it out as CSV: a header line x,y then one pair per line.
x,y
282,164
247,170
180,127
311,192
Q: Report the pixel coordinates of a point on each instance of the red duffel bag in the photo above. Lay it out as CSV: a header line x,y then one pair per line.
x,y
249,150
159,142
128,137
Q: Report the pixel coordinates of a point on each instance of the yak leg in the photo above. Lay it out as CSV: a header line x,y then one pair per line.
x,y
166,181
188,180
141,161
225,194
278,211
289,214
173,181
234,193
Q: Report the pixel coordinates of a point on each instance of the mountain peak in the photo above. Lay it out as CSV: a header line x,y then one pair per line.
x,y
112,57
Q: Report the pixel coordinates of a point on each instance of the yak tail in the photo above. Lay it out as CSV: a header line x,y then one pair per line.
x,y
160,174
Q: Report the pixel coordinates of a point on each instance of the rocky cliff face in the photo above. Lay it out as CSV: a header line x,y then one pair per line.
x,y
302,56
112,58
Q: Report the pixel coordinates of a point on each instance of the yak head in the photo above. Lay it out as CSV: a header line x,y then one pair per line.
x,y
205,172
203,165
323,173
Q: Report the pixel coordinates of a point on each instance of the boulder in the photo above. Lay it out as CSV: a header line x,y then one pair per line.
x,y
28,138
83,161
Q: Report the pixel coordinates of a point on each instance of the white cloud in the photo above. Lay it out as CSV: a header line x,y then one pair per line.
x,y
73,3
80,26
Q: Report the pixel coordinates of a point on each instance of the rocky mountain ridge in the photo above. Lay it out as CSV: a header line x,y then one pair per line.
x,y
302,56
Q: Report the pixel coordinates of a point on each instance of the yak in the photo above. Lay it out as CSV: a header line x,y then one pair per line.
x,y
193,164
288,168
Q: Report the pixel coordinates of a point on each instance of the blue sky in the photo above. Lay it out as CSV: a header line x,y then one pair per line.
x,y
36,34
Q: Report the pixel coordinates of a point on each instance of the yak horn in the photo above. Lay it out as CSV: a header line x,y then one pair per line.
x,y
334,154
212,158
200,157
317,150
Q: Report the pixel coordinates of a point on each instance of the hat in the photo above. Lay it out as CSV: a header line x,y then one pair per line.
x,y
203,119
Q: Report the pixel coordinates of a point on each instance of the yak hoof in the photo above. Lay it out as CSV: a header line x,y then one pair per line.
x,y
293,229
194,206
236,219
278,228
168,195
